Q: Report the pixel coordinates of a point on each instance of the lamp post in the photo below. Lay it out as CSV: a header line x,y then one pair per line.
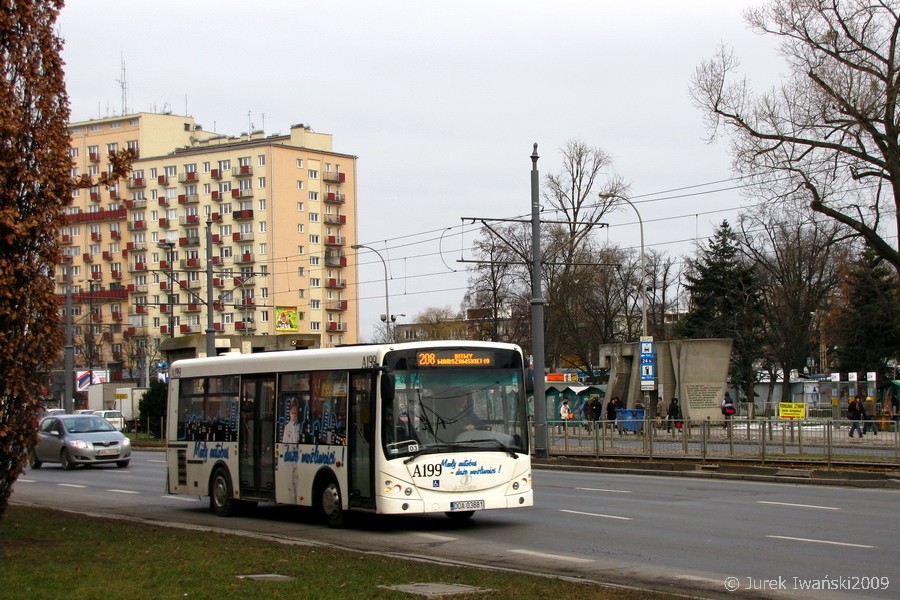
x,y
90,283
387,306
643,284
168,246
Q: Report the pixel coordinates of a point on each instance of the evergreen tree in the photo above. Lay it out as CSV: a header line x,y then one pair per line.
x,y
865,329
35,171
725,303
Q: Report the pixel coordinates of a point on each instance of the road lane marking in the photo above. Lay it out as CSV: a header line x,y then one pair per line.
x,y
829,542
552,556
123,491
603,490
153,460
74,485
798,505
435,537
578,512
182,498
27,480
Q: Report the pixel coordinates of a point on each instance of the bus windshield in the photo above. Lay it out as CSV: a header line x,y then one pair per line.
x,y
456,409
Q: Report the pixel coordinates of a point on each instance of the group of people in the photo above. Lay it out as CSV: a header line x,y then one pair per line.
x,y
856,413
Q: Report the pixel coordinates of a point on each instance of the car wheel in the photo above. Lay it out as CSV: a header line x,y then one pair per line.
x,y
65,460
330,504
221,494
33,461
122,463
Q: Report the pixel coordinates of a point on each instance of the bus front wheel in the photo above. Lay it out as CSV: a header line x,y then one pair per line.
x,y
221,494
330,504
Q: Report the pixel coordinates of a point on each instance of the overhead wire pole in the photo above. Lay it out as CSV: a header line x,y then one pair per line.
x,y
210,326
537,316
69,353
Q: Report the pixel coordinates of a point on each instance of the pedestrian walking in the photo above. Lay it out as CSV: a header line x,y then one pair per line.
x,y
728,409
673,415
854,413
867,421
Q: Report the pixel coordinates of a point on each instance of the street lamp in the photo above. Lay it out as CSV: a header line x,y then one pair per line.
x,y
387,307
643,270
168,246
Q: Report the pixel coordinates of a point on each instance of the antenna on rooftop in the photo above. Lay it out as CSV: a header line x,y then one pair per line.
x,y
123,83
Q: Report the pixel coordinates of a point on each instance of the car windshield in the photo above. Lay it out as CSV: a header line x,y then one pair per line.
x,y
87,424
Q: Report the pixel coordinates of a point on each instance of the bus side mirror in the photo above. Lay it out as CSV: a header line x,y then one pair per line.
x,y
388,383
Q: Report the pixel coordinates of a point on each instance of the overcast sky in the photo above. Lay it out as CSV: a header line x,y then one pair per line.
x,y
441,102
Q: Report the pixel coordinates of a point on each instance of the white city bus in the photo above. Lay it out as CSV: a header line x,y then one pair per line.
x,y
422,427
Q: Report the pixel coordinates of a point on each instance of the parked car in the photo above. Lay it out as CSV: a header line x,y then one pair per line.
x,y
79,439
84,411
113,416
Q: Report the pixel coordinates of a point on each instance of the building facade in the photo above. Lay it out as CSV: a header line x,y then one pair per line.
x,y
251,230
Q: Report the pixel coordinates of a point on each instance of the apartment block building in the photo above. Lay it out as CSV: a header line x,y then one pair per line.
x,y
274,214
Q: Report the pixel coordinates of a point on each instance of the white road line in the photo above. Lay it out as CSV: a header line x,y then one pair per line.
x,y
27,480
157,461
798,505
796,539
552,556
74,485
436,538
577,512
603,490
123,491
182,498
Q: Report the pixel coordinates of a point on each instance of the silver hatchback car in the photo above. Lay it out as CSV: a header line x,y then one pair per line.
x,y
79,439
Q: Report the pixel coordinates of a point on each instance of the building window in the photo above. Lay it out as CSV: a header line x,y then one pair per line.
x,y
301,271
299,163
206,167
315,282
261,160
314,304
300,228
314,195
299,185
262,226
313,217
313,238
261,183
73,152
170,171
315,326
299,207
313,260
301,250
262,204
112,148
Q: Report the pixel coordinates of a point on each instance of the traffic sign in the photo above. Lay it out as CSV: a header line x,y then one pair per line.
x,y
648,363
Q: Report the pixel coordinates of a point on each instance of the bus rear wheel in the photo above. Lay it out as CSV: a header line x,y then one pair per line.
x,y
221,494
330,504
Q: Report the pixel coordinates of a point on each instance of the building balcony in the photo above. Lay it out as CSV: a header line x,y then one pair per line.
x,y
140,309
95,196
107,255
334,177
192,307
66,239
189,263
335,240
164,329
217,261
137,267
94,157
218,305
188,177
164,309
136,182
115,234
333,198
189,220
335,283
242,215
242,171
336,305
163,201
116,315
189,241
193,284
96,236
136,204
248,281
188,328
216,238
137,225
335,219
216,174
218,282
242,236
335,260
216,196
188,199
245,303
134,288
136,246
87,257
116,275
113,194
245,325
334,326
239,193
243,259
162,180
215,217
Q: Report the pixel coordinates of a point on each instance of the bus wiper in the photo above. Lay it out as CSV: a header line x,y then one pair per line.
x,y
500,444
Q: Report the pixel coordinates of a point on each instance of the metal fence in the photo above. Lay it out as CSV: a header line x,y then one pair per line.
x,y
824,440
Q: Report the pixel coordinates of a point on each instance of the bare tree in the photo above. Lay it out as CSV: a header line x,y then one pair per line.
x,y
797,259
829,134
35,169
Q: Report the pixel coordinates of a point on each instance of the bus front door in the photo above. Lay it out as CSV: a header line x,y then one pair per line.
x,y
360,439
257,437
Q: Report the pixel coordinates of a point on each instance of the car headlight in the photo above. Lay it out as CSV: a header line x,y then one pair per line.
x,y
79,444
126,442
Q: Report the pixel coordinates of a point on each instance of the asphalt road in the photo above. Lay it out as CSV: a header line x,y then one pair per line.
x,y
700,537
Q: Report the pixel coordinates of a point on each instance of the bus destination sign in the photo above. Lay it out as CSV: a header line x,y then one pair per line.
x,y
455,358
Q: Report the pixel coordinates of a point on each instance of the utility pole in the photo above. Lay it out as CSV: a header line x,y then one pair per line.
x,y
210,326
537,316
69,353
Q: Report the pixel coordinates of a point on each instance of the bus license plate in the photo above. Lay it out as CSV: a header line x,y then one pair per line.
x,y
467,505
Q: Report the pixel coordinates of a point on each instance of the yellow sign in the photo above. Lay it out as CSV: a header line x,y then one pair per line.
x,y
286,319
792,410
